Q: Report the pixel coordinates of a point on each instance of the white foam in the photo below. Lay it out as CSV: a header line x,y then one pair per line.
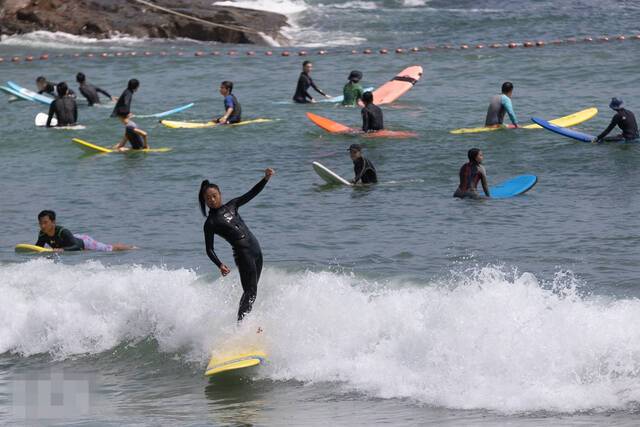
x,y
60,40
481,339
284,7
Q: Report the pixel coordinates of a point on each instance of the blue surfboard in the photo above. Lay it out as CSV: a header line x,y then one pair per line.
x,y
15,93
584,137
34,96
341,97
168,113
513,187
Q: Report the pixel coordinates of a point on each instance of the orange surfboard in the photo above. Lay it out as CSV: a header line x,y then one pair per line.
x,y
335,127
397,86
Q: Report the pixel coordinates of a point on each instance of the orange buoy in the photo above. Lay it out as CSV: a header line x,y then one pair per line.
x,y
302,53
268,53
367,51
383,51
495,45
104,55
527,44
15,59
603,39
588,39
479,46
251,53
512,45
464,46
44,56
540,43
621,38
415,49
399,50
198,53
285,53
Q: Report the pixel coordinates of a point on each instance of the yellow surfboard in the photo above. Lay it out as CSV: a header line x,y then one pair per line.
x,y
99,149
565,122
201,125
234,362
27,248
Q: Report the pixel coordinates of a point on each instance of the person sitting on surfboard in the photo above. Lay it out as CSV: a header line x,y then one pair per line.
x,y
232,108
90,91
352,91
499,105
133,134
64,108
364,170
225,221
305,81
372,119
45,86
123,106
624,119
61,239
470,174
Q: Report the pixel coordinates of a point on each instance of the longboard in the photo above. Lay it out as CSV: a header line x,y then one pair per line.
x,y
167,113
235,362
397,86
31,94
335,127
15,94
92,148
513,187
584,137
31,249
341,97
202,125
565,121
41,120
329,176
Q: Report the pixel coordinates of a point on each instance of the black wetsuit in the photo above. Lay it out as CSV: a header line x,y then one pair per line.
x,y
226,223
62,238
626,121
302,95
90,92
51,89
365,171
372,118
123,106
65,110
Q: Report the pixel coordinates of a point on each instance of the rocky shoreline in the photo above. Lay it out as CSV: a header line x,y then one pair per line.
x,y
194,19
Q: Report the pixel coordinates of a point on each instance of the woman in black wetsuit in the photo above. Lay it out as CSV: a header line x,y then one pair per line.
x,y
224,220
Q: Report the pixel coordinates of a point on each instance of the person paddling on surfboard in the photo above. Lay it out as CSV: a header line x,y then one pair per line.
x,y
90,91
123,106
45,86
133,134
225,221
372,119
499,106
64,108
61,239
352,91
232,108
305,81
470,174
624,119
364,170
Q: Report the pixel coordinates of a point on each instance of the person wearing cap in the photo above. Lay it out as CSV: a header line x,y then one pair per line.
x,y
352,91
302,95
499,106
364,170
624,119
372,119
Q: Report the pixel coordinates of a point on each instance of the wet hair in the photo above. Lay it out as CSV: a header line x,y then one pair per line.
x,y
41,79
133,84
80,77
472,154
507,87
305,63
62,89
367,97
203,188
228,85
47,213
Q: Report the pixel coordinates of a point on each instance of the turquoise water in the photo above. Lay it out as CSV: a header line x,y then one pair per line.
x,y
394,303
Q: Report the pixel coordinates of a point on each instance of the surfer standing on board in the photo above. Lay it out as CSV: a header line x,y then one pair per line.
x,y
372,119
305,81
225,221
470,174
499,105
624,119
364,170
232,108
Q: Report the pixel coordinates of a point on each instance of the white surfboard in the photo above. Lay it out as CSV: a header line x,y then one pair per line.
x,y
41,120
329,176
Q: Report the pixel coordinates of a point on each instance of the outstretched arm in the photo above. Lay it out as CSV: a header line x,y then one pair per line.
x,y
609,128
104,92
246,198
317,89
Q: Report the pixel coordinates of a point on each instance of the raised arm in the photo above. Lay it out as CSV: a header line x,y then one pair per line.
x,y
246,198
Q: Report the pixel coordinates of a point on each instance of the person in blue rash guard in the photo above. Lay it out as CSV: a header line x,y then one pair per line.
x,y
499,106
232,108
624,119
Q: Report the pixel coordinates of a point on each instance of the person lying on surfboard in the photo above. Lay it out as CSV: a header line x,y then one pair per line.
x,y
45,86
123,106
305,81
352,91
64,107
372,119
61,239
232,108
624,119
470,174
364,170
133,134
499,105
90,92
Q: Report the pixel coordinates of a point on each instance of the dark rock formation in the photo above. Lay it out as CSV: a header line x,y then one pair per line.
x,y
194,19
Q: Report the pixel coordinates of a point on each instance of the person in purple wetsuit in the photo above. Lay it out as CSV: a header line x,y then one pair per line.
x,y
471,173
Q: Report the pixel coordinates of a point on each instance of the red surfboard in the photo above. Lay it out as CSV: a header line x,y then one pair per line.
x,y
335,127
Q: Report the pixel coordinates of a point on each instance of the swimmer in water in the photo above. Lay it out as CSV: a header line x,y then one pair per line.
x,y
305,81
90,91
352,91
46,87
470,174
624,119
123,106
61,239
64,107
132,134
372,119
232,108
225,221
364,170
499,106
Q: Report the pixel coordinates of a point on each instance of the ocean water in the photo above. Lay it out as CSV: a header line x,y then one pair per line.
x,y
392,304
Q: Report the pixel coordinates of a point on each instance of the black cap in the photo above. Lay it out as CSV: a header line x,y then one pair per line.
x,y
355,147
355,76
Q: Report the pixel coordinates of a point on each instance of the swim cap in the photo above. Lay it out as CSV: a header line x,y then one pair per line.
x,y
616,104
355,76
355,147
